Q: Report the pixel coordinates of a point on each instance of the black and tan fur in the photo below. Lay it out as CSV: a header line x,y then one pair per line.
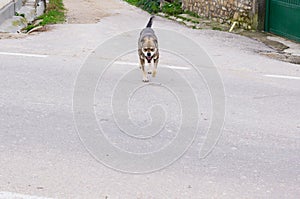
x,y
148,50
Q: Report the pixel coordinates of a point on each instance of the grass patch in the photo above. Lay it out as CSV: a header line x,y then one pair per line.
x,y
54,14
216,28
52,17
184,18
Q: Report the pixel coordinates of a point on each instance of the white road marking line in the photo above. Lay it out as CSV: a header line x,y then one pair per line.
x,y
160,65
175,67
282,76
23,54
11,195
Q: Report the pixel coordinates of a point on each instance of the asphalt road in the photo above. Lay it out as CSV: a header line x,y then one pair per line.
x,y
42,153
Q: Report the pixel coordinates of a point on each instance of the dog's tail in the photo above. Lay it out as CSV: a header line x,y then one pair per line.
x,y
149,24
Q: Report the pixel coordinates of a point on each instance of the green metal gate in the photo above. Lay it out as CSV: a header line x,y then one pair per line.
x,y
283,18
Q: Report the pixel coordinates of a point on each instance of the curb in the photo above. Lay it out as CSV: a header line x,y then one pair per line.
x,y
9,10
17,14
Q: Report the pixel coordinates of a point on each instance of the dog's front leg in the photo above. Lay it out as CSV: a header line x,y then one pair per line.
x,y
155,67
145,78
150,68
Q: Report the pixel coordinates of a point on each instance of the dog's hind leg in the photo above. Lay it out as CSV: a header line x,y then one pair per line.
x,y
145,78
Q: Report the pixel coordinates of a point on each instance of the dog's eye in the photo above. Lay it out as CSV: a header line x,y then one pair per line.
x,y
152,49
145,49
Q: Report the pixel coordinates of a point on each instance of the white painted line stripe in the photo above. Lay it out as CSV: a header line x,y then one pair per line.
x,y
160,65
127,63
282,76
11,195
23,54
176,67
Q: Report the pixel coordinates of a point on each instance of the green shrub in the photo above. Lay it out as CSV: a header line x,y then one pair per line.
x,y
172,8
151,6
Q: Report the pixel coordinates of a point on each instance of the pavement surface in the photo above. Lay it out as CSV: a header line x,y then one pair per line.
x,y
42,155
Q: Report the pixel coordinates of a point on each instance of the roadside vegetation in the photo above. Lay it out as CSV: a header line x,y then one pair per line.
x,y
54,14
153,6
172,9
168,9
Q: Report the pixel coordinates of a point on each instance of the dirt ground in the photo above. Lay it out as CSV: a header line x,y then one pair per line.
x,y
11,36
89,11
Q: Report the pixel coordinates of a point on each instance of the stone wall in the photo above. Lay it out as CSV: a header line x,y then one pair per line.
x,y
226,11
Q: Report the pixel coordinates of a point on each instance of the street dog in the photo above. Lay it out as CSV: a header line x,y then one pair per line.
x,y
148,50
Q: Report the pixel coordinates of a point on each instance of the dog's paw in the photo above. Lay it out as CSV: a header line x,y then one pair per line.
x,y
154,73
145,80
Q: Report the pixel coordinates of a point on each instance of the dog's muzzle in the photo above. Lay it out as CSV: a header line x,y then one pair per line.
x,y
149,58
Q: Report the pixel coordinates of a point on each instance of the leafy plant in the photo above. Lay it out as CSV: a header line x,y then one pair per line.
x,y
173,8
151,6
55,13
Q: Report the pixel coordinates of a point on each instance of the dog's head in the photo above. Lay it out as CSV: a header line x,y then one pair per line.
x,y
149,47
